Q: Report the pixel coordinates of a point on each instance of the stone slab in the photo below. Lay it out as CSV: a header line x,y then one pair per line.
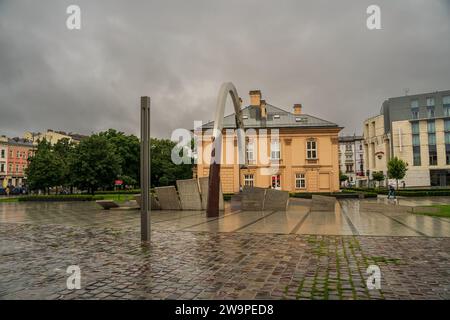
x,y
154,204
107,204
189,194
253,198
203,184
168,198
322,203
276,200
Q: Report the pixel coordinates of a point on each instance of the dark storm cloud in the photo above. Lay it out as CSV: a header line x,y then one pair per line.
x,y
318,53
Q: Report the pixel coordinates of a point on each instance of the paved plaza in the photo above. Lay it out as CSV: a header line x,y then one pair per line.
x,y
297,254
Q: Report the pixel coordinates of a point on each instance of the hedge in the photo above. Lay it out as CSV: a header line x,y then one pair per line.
x,y
339,195
130,191
407,192
71,197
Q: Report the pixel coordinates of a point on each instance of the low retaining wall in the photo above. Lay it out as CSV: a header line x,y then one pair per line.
x,y
322,203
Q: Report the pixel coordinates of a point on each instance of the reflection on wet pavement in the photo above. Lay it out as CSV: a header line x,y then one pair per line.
x,y
347,219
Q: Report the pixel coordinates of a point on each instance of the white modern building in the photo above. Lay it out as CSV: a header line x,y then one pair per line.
x,y
415,129
351,160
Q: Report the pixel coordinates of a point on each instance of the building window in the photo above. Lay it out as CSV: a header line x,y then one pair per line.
x,y
248,180
447,147
17,168
348,147
432,139
415,127
430,112
447,125
415,140
430,102
18,154
2,167
311,149
415,109
349,168
431,126
11,154
300,181
3,153
275,150
446,105
416,156
432,155
250,153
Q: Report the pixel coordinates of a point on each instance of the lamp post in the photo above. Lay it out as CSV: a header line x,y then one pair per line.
x,y
145,169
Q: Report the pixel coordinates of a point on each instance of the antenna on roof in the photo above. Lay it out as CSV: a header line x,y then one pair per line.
x,y
406,91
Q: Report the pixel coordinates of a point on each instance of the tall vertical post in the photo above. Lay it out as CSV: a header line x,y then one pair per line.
x,y
212,206
145,169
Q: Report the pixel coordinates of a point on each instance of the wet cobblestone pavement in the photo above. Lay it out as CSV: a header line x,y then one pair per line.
x,y
202,265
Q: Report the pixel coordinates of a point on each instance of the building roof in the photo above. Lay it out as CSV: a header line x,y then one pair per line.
x,y
276,118
20,142
350,138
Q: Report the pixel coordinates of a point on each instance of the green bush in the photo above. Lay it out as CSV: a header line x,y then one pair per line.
x,y
227,196
71,197
406,192
337,195
131,191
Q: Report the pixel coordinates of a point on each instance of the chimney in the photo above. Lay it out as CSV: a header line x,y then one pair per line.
x,y
255,98
297,108
263,109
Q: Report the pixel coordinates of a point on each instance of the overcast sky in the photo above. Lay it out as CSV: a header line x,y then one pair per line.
x,y
318,53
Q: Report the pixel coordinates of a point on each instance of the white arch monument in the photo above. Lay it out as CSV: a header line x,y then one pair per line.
x,y
227,88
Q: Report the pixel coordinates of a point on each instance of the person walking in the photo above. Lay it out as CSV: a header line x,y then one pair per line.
x,y
391,192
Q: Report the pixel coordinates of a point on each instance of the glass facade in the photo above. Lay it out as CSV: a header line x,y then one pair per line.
x,y
446,105
431,126
432,155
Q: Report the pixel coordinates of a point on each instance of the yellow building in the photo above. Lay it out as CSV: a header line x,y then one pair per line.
x,y
287,151
52,136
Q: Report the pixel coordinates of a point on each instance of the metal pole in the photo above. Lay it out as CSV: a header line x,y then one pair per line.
x,y
145,169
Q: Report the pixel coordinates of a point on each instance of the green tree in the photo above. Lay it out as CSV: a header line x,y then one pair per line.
x,y
45,168
64,150
378,176
128,149
95,163
342,177
397,169
163,170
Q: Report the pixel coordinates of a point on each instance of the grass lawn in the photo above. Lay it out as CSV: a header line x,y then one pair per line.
x,y
443,211
9,200
117,197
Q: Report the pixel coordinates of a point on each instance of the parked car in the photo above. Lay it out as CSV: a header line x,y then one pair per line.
x,y
2,192
18,191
